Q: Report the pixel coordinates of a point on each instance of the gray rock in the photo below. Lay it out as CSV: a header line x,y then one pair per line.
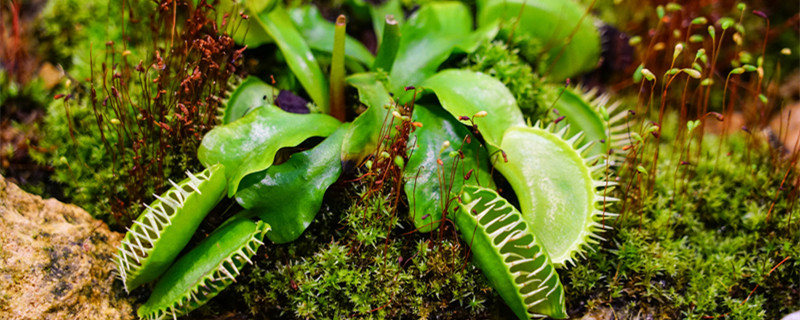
x,y
55,261
793,316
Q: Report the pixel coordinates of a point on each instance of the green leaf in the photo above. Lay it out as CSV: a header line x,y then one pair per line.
x,y
429,185
248,95
250,144
318,33
297,53
429,37
551,22
289,195
364,134
466,93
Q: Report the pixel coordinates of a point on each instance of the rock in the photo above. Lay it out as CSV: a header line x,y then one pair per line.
x,y
56,261
793,316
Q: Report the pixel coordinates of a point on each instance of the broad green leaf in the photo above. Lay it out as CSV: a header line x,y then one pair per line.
x,y
289,195
364,134
430,185
318,33
427,39
297,53
250,144
248,95
551,22
466,93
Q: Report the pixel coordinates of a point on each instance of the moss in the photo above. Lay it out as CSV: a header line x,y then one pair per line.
x,y
503,62
364,267
81,165
113,143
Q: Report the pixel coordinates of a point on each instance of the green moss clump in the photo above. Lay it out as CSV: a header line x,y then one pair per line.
x,y
81,165
128,125
363,267
701,244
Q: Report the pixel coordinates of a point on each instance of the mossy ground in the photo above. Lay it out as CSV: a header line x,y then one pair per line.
x,y
700,245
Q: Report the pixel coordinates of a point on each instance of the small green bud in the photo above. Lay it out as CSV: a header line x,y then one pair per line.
x,y
445,145
725,22
678,50
692,73
673,7
700,53
648,75
399,162
745,57
637,75
700,20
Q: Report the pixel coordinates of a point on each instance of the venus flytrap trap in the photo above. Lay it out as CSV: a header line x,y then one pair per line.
x,y
205,270
167,225
507,250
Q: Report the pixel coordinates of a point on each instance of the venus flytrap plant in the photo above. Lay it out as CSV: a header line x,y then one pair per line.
x,y
447,149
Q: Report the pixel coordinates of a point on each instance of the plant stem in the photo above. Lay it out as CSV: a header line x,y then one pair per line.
x,y
389,45
337,70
